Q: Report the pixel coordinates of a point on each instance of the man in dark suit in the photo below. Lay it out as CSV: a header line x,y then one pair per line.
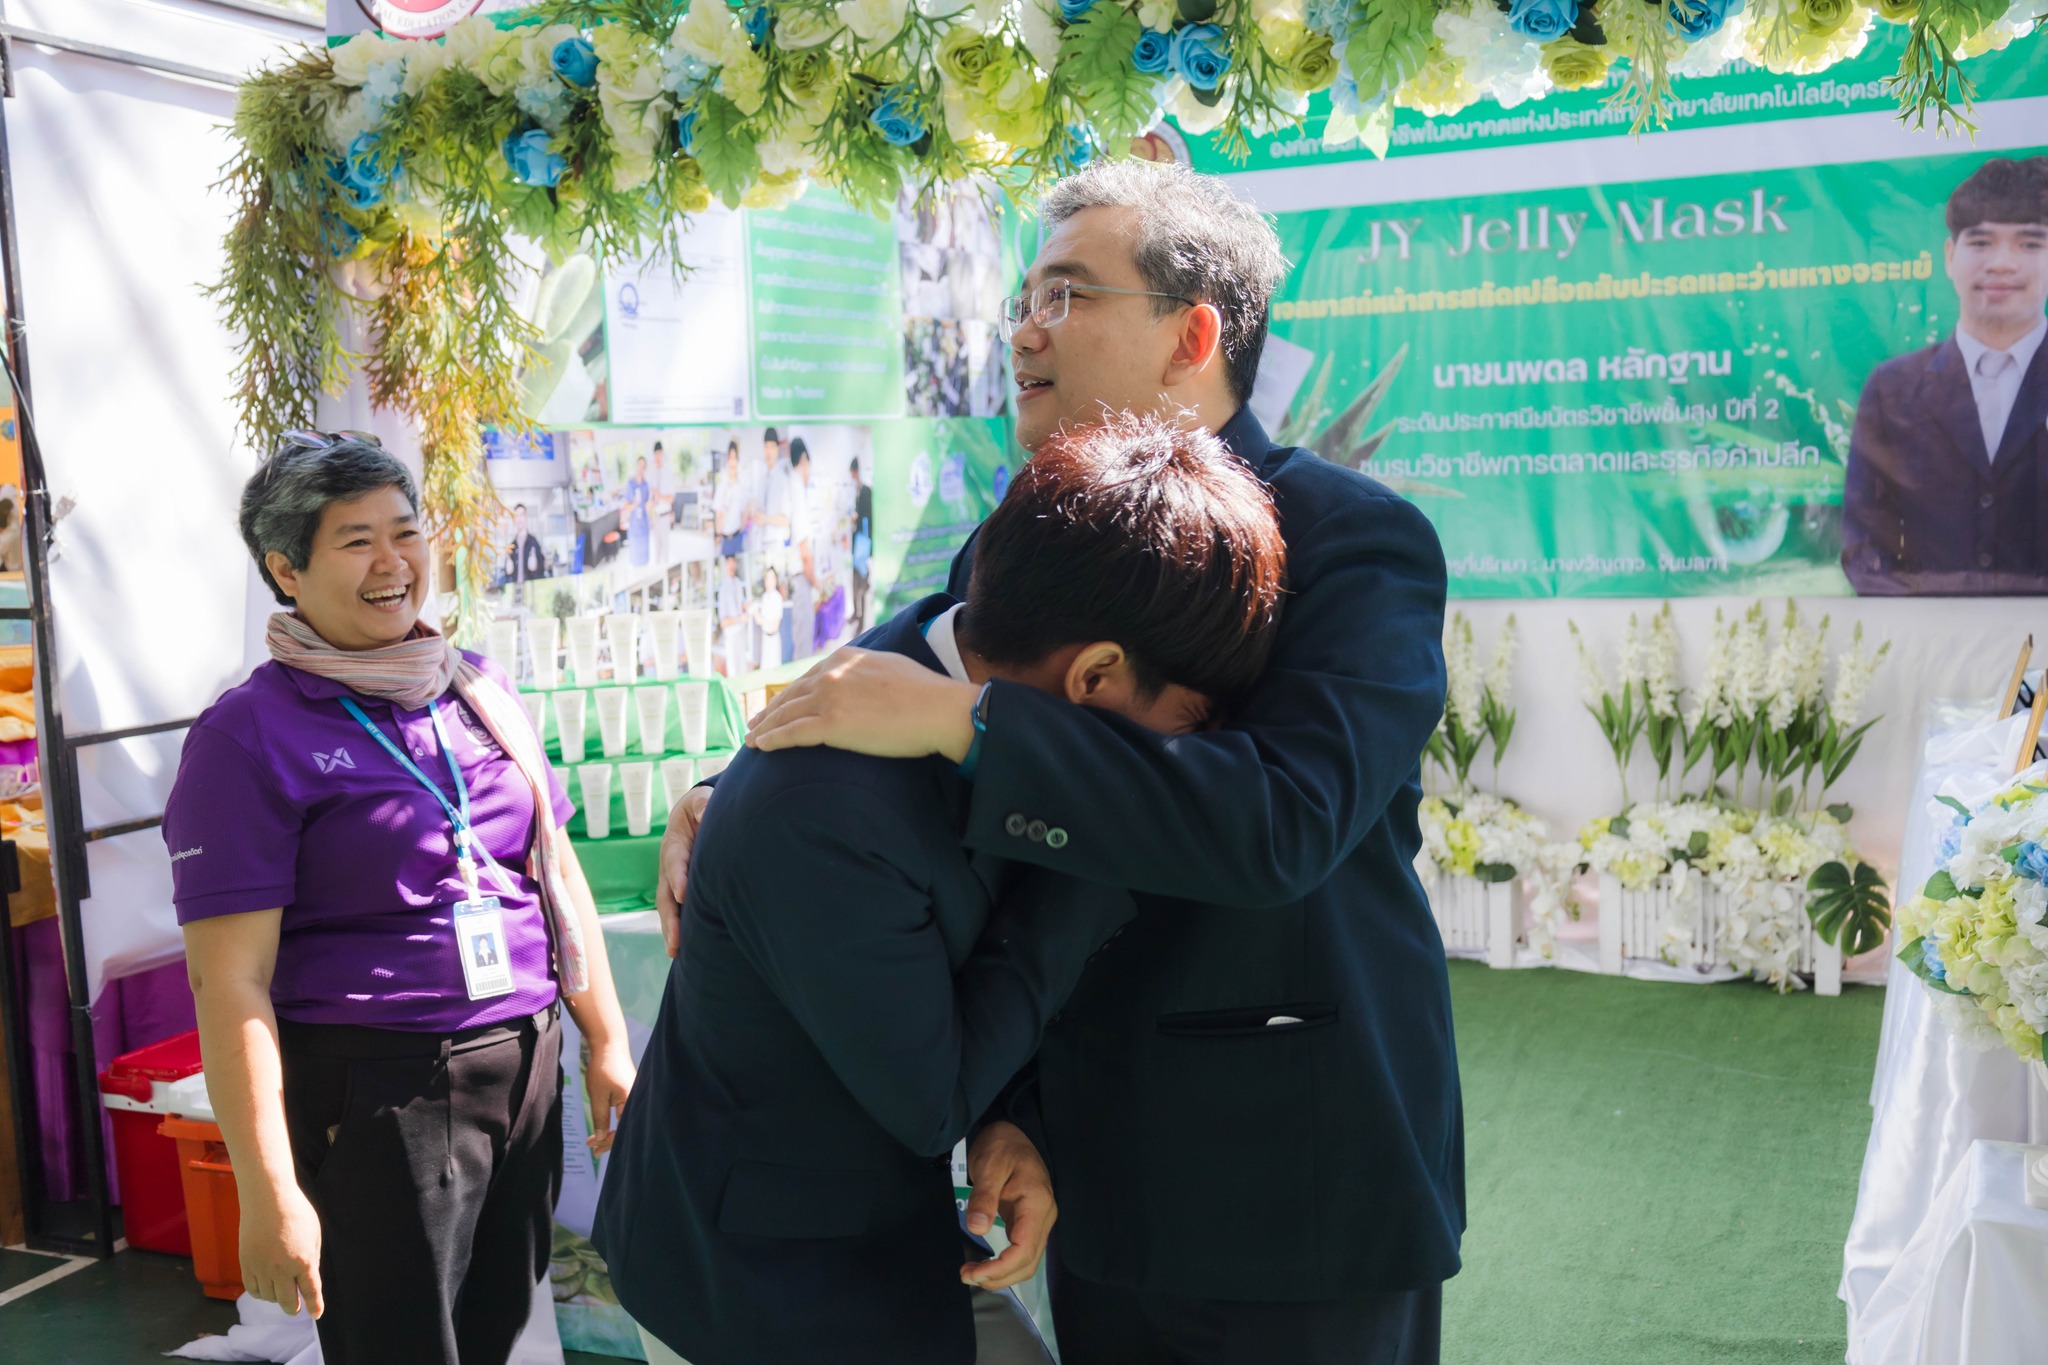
x,y
1947,486
524,560
853,987
1251,1107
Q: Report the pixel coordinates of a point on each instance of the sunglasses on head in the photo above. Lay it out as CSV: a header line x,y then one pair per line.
x,y
309,438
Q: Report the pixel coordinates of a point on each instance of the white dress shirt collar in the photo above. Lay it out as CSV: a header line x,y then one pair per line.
x,y
939,635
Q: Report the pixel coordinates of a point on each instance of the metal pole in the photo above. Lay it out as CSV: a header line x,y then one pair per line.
x,y
61,811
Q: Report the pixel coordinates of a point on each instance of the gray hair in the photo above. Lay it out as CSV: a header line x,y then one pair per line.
x,y
284,499
1195,239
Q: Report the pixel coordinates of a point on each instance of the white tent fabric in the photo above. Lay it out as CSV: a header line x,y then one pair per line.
x,y
130,370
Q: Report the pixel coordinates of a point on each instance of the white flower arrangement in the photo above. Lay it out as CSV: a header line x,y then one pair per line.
x,y
1493,839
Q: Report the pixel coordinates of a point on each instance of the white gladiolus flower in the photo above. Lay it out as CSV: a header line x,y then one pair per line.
x,y
1853,670
1592,685
1660,675
1630,656
1461,670
1781,689
1748,666
1710,699
874,22
1500,669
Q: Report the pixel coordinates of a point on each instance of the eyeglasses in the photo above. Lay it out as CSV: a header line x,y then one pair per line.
x,y
1046,306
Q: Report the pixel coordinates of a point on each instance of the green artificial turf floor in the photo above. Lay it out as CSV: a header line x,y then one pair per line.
x,y
1656,1174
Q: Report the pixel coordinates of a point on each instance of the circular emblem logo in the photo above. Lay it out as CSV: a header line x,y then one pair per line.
x,y
418,18
921,480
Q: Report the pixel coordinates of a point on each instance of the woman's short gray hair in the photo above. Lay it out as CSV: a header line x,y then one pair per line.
x,y
285,497
1195,239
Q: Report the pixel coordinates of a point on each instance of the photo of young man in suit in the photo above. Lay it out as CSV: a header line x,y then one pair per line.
x,y
852,988
1947,485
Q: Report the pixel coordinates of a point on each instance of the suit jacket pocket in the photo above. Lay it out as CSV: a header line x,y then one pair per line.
x,y
765,1200
1259,1019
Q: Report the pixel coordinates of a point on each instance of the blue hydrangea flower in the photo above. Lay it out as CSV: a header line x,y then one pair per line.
x,y
1697,19
548,104
1543,20
686,132
1201,54
2033,861
575,61
532,160
896,116
1153,52
1070,10
758,20
1930,958
383,82
1332,17
681,74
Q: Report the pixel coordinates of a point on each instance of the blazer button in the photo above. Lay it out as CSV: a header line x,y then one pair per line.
x,y
1057,838
1986,501
1013,825
1984,561
1035,831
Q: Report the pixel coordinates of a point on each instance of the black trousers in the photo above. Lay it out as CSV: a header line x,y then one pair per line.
x,y
434,1161
1101,1324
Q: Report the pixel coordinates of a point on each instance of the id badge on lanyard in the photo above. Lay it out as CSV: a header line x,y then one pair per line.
x,y
478,920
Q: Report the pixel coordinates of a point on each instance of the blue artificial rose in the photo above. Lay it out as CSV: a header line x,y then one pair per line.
x,y
575,61
339,235
896,116
686,132
532,160
1070,10
1201,55
1697,19
2032,862
1078,147
364,170
1543,20
758,20
1153,52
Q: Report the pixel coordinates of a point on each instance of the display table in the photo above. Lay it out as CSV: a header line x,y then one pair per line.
x,y
1968,1288
1932,1096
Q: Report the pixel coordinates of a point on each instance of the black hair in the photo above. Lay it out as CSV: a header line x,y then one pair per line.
x,y
2002,190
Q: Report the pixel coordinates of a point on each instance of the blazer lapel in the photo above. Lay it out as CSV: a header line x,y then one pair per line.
x,y
1947,396
2029,410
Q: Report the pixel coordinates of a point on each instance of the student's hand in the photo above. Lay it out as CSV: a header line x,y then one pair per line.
x,y
609,1080
1009,1178
280,1245
871,703
674,877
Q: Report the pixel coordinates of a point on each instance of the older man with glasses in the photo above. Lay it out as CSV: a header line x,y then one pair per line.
x,y
1250,1107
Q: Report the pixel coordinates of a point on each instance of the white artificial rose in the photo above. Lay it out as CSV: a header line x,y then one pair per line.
x,y
352,60
425,62
874,22
784,155
988,15
1157,15
1277,12
711,33
1039,25
802,29
537,48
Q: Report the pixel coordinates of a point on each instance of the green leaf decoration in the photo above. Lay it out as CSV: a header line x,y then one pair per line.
x,y
1828,877
1843,812
2011,852
1782,803
725,151
1696,847
1493,872
1940,887
1095,64
1389,42
1618,827
1850,911
1954,805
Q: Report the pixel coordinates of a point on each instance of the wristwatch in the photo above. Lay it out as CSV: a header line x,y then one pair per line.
x,y
979,715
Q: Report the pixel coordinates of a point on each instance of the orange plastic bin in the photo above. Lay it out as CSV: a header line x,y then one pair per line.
x,y
212,1209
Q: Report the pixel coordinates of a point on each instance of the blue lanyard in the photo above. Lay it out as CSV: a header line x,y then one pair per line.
x,y
458,818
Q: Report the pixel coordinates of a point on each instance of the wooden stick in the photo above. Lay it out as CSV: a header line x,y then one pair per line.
x,y
2019,671
2034,715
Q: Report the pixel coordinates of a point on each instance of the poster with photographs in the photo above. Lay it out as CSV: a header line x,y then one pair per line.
x,y
770,527
949,247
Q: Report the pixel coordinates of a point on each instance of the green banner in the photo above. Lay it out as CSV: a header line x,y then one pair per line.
x,y
934,482
1744,94
827,312
1620,390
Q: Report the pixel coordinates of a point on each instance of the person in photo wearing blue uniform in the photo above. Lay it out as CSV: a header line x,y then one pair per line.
x,y
1250,1110
852,988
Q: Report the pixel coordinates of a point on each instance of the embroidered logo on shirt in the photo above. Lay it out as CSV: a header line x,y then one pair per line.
x,y
327,763
188,853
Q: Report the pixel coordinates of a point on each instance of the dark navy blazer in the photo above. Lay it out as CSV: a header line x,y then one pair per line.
x,y
1196,1147
1925,509
853,989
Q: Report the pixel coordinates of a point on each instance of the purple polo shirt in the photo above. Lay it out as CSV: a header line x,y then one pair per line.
x,y
282,800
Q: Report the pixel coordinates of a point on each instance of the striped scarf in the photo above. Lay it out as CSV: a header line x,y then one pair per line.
x,y
414,672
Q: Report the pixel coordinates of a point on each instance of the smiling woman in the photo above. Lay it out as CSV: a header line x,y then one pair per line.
x,y
382,917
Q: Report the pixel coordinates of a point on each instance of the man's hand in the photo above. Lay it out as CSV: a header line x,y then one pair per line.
x,y
674,878
1010,1179
280,1247
871,703
609,1080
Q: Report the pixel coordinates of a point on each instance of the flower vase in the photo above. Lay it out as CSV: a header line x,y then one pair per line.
x,y
2037,1156
1476,918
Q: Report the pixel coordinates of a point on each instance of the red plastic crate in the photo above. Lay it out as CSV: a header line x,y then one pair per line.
x,y
152,1189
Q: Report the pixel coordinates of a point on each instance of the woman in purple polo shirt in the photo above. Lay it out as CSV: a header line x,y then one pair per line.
x,y
382,917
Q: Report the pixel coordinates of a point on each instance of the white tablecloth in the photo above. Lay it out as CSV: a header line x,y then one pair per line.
x,y
1971,1287
1932,1096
